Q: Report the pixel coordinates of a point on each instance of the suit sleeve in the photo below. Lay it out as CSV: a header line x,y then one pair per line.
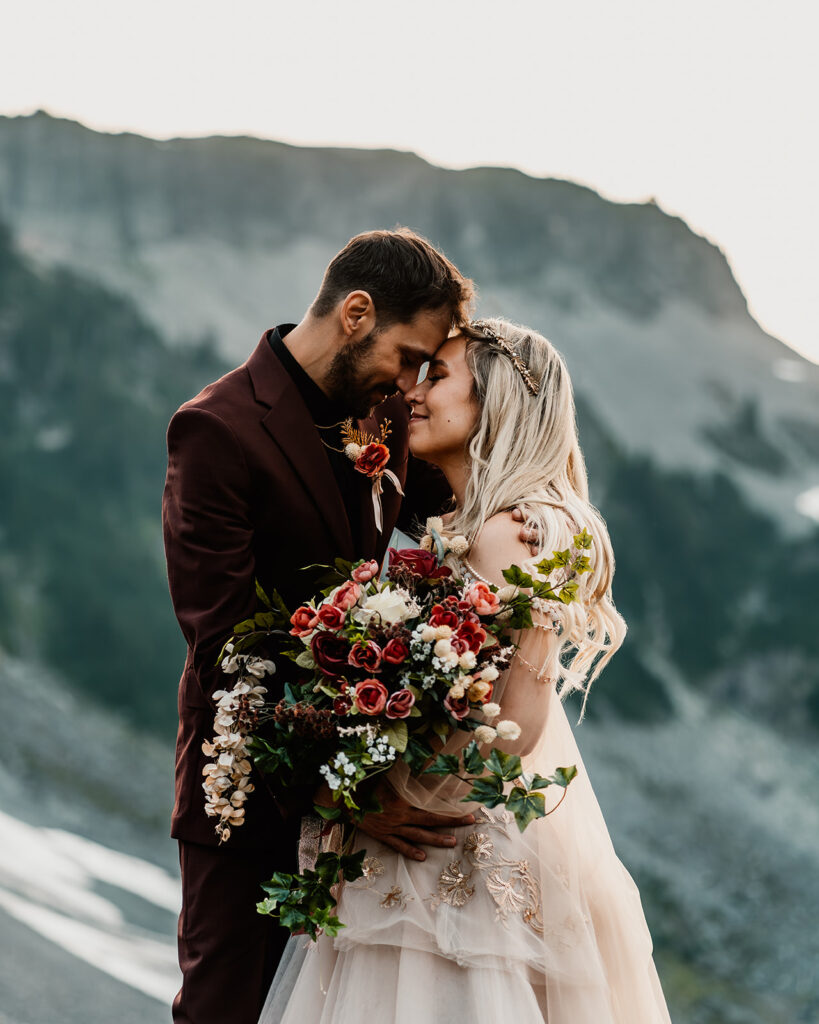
x,y
208,537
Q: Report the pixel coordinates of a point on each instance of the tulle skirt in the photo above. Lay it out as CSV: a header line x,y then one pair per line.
x,y
544,925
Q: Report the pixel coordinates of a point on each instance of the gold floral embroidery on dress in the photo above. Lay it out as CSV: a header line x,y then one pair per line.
x,y
453,886
478,848
372,867
517,892
396,897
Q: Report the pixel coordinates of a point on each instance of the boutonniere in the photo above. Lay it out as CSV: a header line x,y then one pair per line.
x,y
370,455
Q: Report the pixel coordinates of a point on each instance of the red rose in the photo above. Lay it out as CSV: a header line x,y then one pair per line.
x,y
373,459
400,704
364,573
341,705
440,616
304,621
330,616
395,652
366,656
482,599
420,563
330,652
471,635
458,707
346,595
370,697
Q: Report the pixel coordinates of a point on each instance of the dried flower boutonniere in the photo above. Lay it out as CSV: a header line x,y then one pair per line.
x,y
371,455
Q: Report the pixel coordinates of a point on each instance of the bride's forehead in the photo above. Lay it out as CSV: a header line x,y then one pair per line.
x,y
452,349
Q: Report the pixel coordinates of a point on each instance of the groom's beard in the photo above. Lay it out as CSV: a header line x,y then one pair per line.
x,y
346,380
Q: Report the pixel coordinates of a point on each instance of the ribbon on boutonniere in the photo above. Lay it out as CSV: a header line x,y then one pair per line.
x,y
370,455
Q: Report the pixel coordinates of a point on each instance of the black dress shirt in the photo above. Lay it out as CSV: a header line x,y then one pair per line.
x,y
328,416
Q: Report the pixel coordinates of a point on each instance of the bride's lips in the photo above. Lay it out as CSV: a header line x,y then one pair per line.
x,y
415,419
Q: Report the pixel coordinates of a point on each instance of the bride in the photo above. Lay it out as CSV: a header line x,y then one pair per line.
x,y
544,925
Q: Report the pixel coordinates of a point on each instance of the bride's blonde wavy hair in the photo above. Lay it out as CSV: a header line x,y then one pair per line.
x,y
525,451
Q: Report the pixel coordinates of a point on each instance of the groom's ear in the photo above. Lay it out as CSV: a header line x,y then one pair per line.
x,y
357,315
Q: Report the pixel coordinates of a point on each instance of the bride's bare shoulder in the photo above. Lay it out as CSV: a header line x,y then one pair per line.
x,y
498,546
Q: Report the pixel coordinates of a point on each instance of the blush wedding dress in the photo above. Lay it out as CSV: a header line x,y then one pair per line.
x,y
533,927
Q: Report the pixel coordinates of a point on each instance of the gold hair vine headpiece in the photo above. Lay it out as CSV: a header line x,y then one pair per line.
x,y
520,366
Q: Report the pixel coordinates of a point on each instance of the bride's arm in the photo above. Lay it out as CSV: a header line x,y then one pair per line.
x,y
524,690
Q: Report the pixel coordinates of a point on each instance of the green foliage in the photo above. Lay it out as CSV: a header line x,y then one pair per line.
x,y
304,902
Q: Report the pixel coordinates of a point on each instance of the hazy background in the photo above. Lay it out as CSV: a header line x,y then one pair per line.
x,y
665,241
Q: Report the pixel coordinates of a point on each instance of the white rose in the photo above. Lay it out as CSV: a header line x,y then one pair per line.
x,y
485,734
467,660
490,673
428,634
508,730
491,710
389,605
442,632
456,691
507,593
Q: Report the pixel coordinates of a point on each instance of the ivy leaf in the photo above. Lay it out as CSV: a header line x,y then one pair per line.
x,y
488,790
352,865
245,626
545,566
444,764
264,620
473,762
583,539
515,575
539,782
417,754
563,776
505,766
526,806
581,564
397,734
562,558
568,592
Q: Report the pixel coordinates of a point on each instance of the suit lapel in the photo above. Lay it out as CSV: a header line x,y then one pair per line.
x,y
288,423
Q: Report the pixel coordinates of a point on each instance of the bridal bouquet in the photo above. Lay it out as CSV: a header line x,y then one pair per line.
x,y
387,668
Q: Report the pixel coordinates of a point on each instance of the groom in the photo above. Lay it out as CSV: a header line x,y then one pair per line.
x,y
258,486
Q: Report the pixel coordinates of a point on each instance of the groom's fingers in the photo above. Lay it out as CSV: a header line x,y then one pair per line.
x,y
425,837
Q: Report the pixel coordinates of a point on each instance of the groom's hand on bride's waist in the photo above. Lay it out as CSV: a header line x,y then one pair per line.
x,y
406,828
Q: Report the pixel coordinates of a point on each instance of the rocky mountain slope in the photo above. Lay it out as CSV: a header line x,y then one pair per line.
x,y
221,237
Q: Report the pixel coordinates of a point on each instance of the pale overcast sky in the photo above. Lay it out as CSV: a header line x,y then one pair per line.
x,y
708,106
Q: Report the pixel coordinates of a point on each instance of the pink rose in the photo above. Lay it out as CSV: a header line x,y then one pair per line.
x,y
364,573
347,595
366,656
396,651
373,459
331,616
304,621
482,599
370,697
400,704
458,707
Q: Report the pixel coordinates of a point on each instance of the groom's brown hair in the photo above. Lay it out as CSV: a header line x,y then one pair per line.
x,y
403,274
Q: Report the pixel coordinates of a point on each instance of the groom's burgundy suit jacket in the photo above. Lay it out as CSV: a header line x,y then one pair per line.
x,y
250,493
